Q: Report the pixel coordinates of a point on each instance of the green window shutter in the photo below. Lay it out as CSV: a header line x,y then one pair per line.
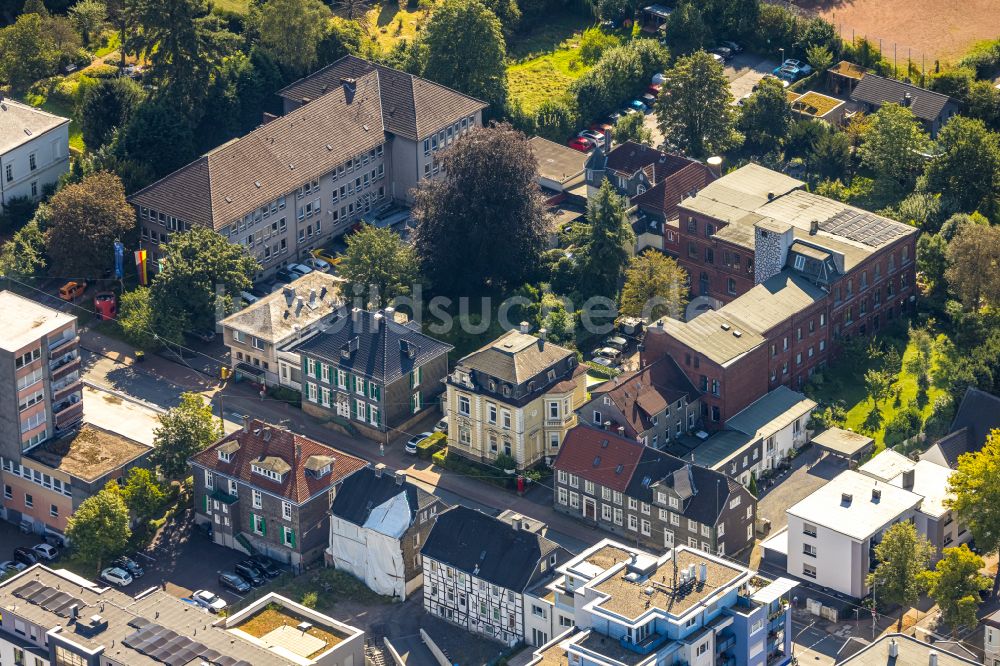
x,y
263,526
378,392
413,405
206,503
350,382
291,537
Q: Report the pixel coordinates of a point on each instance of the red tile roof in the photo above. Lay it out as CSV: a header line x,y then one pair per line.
x,y
668,193
262,440
599,456
644,393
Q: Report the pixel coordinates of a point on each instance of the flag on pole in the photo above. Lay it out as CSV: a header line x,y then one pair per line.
x,y
140,266
119,259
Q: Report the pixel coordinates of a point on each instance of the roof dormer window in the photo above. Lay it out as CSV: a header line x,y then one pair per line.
x,y
270,474
224,456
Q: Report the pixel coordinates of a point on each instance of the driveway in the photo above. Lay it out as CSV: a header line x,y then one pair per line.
x,y
745,70
807,474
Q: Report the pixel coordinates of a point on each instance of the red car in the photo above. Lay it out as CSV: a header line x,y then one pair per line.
x,y
581,144
600,127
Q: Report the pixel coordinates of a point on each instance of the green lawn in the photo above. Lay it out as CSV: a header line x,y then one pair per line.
x,y
846,385
238,6
67,111
395,22
544,62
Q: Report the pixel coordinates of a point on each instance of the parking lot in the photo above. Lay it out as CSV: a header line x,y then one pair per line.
x,y
745,70
807,474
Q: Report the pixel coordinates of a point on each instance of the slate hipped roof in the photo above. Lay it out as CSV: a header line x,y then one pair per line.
x,y
644,393
376,346
412,107
515,357
367,489
629,157
275,448
20,123
486,547
878,90
977,415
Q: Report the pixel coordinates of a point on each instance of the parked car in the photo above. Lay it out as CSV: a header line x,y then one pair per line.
x,y
129,565
411,444
25,556
72,290
266,566
54,540
231,581
614,117
442,425
317,264
116,576
601,127
45,552
638,105
659,79
606,362
106,305
205,336
581,144
723,52
249,573
326,255
249,298
717,58
284,276
209,600
11,566
616,342
189,600
299,270
733,46
791,70
596,137
609,353
649,99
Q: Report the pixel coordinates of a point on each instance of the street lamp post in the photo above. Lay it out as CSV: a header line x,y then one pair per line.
x,y
782,49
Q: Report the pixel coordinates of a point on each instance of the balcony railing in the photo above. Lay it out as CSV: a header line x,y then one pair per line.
x,y
725,644
65,405
56,345
68,383
645,646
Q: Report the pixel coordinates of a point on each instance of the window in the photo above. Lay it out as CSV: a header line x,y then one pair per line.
x,y
809,549
808,571
54,511
288,537
257,500
66,658
618,517
33,163
29,501
505,419
553,410
286,510
463,405
10,173
563,496
645,527
8,492
491,413
809,529
734,503
731,286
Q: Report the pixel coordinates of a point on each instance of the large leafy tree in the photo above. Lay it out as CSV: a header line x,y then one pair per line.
x,y
88,16
84,220
142,493
27,52
955,584
292,31
973,272
242,89
380,264
184,430
632,128
466,51
686,29
99,528
892,144
487,200
24,254
766,116
106,106
608,243
198,265
655,286
697,114
903,554
158,137
966,167
135,316
974,495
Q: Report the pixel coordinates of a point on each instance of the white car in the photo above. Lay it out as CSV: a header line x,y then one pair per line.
x,y
116,576
411,445
45,551
299,269
318,264
12,566
208,600
659,78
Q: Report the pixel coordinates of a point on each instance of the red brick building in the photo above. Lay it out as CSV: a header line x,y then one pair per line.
x,y
788,274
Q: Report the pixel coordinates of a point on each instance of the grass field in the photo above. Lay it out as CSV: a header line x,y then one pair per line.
x,y
238,6
67,111
393,22
545,62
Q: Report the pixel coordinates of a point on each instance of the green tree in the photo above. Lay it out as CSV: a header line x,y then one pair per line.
x,y
984,103
830,155
488,196
99,528
878,384
766,116
972,273
135,316
341,38
740,17
686,29
106,106
903,555
88,16
966,167
27,52
158,137
631,127
555,120
594,42
609,241
697,115
892,143
955,584
819,57
655,286
466,51
974,496
292,31
142,494
84,220
508,12
197,265
184,430
378,264
24,254
932,260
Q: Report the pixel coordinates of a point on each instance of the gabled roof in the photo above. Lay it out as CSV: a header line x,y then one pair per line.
x,y
238,177
630,157
704,492
977,415
664,197
486,547
515,357
878,90
377,346
643,393
599,455
771,413
369,488
274,448
20,123
279,315
412,107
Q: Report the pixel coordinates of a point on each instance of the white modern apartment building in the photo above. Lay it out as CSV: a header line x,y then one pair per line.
x,y
34,150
